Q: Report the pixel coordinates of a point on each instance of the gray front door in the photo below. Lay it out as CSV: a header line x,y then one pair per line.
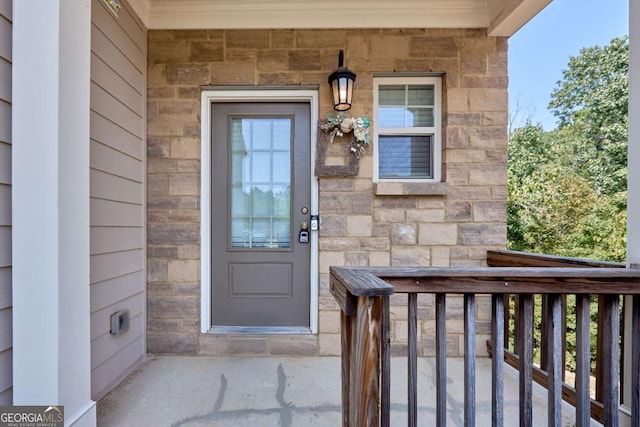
x,y
261,195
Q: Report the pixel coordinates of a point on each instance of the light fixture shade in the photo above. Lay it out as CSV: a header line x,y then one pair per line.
x,y
341,84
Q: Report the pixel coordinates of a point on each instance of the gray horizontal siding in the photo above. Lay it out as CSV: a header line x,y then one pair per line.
x,y
115,239
5,35
111,107
113,187
107,159
102,379
107,266
105,132
6,362
105,345
117,150
5,79
5,202
5,329
5,246
5,156
109,213
110,291
5,120
117,60
125,34
6,324
100,329
5,288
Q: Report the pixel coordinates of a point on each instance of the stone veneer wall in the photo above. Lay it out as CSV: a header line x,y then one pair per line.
x,y
359,227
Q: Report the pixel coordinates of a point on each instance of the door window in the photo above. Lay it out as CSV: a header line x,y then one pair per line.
x,y
260,172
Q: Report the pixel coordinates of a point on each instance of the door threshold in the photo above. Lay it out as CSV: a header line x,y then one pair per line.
x,y
260,330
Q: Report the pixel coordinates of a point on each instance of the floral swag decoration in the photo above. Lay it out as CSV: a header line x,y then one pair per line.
x,y
337,125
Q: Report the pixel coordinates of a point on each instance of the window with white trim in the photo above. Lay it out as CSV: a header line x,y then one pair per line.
x,y
407,129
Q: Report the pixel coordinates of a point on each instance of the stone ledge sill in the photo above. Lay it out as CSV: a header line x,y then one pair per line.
x,y
411,188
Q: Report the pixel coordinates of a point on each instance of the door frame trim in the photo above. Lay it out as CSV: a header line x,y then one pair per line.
x,y
209,96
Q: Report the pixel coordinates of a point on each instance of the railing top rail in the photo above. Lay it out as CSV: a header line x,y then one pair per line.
x,y
370,281
360,281
507,258
494,272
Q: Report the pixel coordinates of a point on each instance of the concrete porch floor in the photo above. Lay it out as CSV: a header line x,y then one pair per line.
x,y
290,392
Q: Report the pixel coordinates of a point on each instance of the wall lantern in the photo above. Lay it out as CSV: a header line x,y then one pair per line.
x,y
341,83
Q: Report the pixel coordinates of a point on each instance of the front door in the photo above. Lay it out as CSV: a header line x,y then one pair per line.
x,y
261,195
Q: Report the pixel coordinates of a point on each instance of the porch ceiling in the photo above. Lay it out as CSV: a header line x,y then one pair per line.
x,y
500,17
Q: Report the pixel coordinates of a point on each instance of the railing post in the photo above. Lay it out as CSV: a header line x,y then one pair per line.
x,y
345,339
364,393
364,304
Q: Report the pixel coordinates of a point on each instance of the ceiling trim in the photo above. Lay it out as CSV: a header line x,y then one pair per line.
x,y
508,16
142,8
255,14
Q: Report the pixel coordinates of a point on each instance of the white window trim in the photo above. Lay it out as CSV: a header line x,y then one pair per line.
x,y
209,96
436,130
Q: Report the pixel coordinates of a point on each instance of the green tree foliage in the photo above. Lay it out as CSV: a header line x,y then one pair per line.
x,y
567,187
591,101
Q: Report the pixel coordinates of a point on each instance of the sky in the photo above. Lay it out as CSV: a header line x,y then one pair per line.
x,y
540,50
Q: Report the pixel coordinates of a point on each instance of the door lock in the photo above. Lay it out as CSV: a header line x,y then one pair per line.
x,y
303,236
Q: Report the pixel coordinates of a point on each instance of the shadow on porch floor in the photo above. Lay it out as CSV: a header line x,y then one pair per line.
x,y
289,392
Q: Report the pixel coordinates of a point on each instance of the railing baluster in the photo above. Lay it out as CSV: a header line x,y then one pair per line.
x,y
563,339
497,364
441,360
385,366
554,359
545,333
412,361
599,350
610,377
506,301
516,324
635,369
525,341
469,360
583,361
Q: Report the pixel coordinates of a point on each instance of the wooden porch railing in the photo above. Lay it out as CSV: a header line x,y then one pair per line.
x,y
363,295
524,259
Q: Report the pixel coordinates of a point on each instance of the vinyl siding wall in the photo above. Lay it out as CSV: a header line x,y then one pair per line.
x,y
6,372
118,122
